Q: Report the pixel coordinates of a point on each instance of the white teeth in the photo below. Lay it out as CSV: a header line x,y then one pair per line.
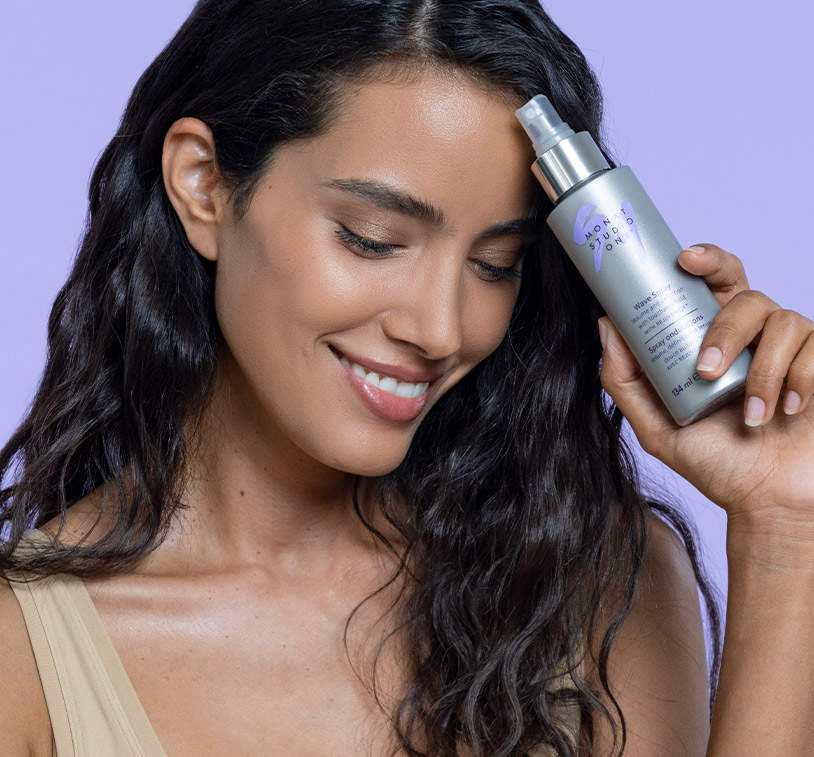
x,y
404,390
387,384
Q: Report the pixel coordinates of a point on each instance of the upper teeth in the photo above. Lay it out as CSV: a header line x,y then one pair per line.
x,y
387,383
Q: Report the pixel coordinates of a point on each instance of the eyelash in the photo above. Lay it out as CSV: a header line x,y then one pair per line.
x,y
498,273
371,247
363,244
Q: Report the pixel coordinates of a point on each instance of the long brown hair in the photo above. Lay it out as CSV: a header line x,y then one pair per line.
x,y
525,513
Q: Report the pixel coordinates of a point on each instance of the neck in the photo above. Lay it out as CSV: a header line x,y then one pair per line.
x,y
253,497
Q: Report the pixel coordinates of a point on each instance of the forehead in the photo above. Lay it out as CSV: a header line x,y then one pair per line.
x,y
438,134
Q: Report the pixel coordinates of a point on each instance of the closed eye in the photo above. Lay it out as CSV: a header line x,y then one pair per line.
x,y
498,273
363,244
373,248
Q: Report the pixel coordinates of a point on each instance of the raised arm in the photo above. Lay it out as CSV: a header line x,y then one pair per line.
x,y
762,474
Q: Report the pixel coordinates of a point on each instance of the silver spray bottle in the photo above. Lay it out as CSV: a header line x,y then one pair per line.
x,y
629,257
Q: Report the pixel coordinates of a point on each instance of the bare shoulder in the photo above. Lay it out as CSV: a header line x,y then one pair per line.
x,y
658,666
25,724
85,521
24,720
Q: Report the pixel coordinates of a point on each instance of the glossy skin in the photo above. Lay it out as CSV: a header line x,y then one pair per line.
x,y
296,286
231,631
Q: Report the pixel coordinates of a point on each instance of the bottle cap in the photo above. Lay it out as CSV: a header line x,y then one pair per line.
x,y
543,124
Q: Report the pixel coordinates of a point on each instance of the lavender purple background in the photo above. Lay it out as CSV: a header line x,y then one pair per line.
x,y
712,109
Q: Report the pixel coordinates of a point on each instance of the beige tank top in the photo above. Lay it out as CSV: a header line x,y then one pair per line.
x,y
94,709
93,706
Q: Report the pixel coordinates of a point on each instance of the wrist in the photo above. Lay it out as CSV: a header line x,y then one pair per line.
x,y
772,541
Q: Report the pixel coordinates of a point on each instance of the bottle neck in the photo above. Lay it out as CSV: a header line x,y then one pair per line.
x,y
568,163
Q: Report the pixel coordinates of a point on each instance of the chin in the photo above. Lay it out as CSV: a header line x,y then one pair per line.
x,y
372,467
375,461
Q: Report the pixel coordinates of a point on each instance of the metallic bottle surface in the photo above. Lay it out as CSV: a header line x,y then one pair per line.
x,y
627,254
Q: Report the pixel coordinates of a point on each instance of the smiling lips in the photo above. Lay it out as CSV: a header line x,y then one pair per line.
x,y
388,390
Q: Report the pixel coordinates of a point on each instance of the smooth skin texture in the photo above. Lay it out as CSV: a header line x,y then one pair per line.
x,y
232,630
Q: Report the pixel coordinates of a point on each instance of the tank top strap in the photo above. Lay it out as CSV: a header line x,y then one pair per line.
x,y
93,707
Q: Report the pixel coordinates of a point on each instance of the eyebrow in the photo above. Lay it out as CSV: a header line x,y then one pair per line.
x,y
390,198
521,227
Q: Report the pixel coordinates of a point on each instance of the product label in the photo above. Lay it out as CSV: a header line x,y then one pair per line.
x,y
628,256
670,329
606,234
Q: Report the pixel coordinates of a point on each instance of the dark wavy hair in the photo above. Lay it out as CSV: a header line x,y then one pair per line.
x,y
525,517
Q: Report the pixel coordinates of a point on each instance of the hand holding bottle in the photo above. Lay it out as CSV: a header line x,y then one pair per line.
x,y
755,457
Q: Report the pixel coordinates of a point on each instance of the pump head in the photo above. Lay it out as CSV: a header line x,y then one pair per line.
x,y
543,124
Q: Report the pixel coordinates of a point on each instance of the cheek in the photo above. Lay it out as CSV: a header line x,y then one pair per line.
x,y
264,305
485,321
281,275
282,290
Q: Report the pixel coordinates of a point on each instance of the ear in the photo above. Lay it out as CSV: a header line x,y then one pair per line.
x,y
193,183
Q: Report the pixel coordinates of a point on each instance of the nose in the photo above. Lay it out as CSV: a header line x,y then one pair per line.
x,y
427,311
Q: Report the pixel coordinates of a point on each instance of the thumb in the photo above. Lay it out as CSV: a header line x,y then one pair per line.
x,y
624,381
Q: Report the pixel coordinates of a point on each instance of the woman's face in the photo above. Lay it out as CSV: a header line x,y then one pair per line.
x,y
377,264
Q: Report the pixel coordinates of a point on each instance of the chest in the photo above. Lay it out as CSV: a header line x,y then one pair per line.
x,y
256,672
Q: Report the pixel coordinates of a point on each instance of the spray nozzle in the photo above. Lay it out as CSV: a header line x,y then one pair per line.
x,y
543,124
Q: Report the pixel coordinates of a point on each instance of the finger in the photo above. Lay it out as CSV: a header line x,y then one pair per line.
x,y
800,380
624,381
732,330
722,271
783,337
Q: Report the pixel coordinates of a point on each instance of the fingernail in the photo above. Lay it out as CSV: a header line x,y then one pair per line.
x,y
709,360
755,411
792,403
696,249
603,333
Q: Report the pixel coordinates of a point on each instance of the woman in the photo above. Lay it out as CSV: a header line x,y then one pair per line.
x,y
291,555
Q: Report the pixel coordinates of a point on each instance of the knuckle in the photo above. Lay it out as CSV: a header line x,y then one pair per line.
x,y
752,298
733,261
765,374
722,331
801,375
787,321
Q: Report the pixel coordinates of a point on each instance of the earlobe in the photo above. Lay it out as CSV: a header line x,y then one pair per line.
x,y
193,183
